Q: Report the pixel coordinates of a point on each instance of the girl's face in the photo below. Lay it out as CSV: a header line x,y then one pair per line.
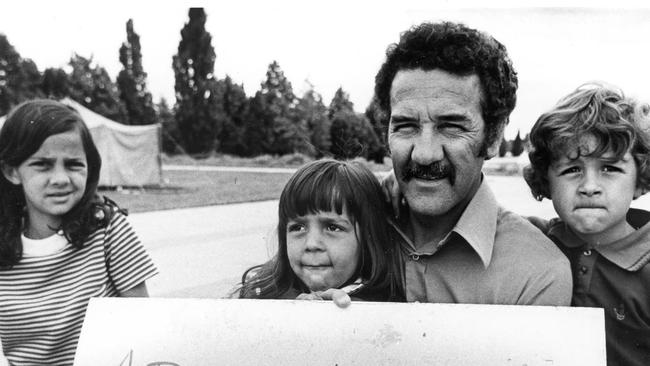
x,y
53,179
323,249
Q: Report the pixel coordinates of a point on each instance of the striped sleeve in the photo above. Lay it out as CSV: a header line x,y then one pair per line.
x,y
127,261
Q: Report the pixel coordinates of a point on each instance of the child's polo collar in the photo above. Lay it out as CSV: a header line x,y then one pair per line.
x,y
630,253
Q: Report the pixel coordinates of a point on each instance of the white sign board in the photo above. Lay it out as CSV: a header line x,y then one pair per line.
x,y
147,332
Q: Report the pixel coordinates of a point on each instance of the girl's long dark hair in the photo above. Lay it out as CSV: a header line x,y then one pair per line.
x,y
26,128
331,185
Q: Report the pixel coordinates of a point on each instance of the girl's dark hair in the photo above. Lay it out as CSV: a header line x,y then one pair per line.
x,y
617,123
331,185
26,128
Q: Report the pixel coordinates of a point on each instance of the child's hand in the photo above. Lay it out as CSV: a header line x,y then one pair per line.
x,y
338,296
392,194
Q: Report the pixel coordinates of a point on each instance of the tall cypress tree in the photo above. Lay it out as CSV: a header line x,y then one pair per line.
x,y
131,81
517,145
197,106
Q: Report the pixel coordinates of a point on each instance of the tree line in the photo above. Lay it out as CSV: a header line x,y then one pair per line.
x,y
209,114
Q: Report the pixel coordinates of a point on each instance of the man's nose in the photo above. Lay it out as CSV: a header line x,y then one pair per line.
x,y
589,184
427,148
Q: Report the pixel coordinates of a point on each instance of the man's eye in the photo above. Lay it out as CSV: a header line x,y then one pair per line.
x,y
451,127
404,127
570,170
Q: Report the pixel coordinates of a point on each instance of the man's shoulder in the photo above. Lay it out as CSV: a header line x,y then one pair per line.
x,y
521,237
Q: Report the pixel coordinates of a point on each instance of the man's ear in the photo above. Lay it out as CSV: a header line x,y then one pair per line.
x,y
10,173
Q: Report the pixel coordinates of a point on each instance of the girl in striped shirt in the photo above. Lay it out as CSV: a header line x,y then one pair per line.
x,y
60,244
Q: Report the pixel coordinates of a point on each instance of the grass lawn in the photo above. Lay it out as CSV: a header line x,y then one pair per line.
x,y
202,188
198,188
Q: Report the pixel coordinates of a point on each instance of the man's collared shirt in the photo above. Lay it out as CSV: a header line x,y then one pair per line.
x,y
491,256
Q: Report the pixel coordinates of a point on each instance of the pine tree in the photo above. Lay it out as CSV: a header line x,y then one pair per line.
x,y
170,135
257,131
273,121
352,134
91,86
379,126
132,81
198,110
517,146
55,83
313,114
235,109
19,77
340,102
503,147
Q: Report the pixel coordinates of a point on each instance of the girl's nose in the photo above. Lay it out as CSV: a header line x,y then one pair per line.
x,y
314,241
59,176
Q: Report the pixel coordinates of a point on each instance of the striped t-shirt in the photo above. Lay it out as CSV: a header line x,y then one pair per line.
x,y
43,298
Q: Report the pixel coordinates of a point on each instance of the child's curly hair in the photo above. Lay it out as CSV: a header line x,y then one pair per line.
x,y
617,123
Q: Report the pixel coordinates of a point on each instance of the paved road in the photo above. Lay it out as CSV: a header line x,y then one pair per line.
x,y
202,252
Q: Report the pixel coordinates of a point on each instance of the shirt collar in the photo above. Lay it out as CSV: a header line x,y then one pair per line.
x,y
477,225
630,253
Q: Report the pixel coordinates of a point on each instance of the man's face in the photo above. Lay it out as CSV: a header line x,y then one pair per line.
x,y
435,136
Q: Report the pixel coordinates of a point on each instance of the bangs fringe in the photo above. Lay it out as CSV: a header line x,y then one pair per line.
x,y
324,190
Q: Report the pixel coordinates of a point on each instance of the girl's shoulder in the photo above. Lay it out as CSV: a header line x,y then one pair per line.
x,y
108,211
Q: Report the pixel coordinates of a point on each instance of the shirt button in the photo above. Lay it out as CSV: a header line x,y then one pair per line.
x,y
583,269
587,252
415,257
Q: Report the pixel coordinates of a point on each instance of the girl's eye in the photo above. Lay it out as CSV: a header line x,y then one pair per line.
x,y
333,227
78,165
570,170
39,164
295,227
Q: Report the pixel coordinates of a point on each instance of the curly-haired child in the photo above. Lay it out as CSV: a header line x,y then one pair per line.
x,y
590,155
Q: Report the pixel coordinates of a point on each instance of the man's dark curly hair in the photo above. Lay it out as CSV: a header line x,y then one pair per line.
x,y
618,124
459,50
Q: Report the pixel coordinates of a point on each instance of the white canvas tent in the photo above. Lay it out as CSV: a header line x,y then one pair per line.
x,y
130,154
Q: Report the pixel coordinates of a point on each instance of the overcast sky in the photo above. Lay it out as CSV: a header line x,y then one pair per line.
x,y
342,43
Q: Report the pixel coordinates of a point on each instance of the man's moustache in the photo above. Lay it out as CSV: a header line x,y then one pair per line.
x,y
436,170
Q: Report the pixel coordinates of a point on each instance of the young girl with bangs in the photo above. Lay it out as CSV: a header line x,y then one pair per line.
x,y
332,233
60,243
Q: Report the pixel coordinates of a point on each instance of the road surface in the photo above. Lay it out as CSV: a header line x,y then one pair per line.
x,y
202,252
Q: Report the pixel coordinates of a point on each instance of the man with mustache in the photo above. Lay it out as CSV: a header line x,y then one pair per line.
x,y
447,91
